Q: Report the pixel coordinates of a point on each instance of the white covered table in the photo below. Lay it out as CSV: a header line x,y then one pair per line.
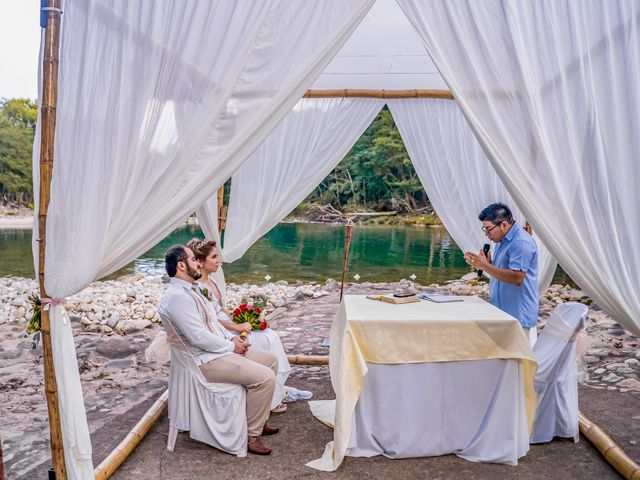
x,y
424,379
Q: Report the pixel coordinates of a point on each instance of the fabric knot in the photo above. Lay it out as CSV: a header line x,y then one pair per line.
x,y
48,302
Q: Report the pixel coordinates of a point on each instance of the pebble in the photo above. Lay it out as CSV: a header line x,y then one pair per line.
x,y
611,378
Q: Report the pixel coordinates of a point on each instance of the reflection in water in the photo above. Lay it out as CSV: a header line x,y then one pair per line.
x,y
310,252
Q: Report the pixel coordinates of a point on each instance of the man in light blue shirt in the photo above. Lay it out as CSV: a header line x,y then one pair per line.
x,y
513,267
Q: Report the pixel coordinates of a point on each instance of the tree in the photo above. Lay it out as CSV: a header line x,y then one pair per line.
x,y
376,173
17,130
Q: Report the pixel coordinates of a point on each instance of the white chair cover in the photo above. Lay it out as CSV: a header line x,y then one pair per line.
x,y
556,380
213,413
270,341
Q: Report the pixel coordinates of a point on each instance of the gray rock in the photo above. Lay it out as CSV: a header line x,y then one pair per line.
x,y
632,361
611,378
130,326
307,292
630,383
625,370
119,364
280,302
299,295
17,301
321,293
615,366
331,284
599,371
114,318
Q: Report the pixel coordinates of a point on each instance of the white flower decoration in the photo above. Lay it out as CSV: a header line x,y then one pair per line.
x,y
357,277
267,277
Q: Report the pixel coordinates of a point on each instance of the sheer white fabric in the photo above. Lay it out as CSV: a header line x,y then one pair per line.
x,y
456,173
158,103
551,90
556,379
295,158
73,419
180,95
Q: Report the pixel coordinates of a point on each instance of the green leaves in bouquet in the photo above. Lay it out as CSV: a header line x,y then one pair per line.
x,y
36,315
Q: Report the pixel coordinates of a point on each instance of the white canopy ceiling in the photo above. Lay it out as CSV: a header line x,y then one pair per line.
x,y
384,52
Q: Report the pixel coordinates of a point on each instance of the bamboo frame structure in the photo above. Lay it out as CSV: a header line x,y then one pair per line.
x,y
133,438
308,359
47,135
222,216
611,451
369,93
347,244
1,462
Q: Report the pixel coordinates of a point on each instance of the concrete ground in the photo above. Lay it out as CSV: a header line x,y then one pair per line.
x,y
302,438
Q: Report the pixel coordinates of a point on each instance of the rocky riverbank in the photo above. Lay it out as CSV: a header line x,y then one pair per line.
x,y
114,321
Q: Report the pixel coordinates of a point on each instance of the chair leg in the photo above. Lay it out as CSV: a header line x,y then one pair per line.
x,y
576,439
173,435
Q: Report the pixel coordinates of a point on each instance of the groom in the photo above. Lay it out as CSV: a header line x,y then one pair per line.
x,y
222,357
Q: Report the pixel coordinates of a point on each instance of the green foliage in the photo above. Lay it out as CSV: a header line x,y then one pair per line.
x,y
377,173
17,129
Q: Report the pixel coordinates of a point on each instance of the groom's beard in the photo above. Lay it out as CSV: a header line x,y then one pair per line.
x,y
193,273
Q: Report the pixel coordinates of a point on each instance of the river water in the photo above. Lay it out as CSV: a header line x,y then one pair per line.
x,y
296,251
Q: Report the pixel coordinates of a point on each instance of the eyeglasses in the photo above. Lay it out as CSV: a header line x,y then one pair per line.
x,y
487,231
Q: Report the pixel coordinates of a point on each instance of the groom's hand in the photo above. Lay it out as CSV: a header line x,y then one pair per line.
x,y
240,347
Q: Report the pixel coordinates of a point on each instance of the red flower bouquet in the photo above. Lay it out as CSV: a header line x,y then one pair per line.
x,y
250,313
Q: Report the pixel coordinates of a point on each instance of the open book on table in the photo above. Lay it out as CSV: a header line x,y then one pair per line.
x,y
440,298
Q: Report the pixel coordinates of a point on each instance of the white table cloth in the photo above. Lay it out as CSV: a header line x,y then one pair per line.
x,y
429,379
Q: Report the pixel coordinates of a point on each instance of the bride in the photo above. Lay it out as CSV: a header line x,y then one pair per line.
x,y
206,252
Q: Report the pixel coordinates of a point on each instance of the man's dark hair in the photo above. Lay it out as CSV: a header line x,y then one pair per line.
x,y
496,213
175,254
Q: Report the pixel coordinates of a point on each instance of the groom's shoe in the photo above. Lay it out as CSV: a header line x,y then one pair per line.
x,y
257,446
267,430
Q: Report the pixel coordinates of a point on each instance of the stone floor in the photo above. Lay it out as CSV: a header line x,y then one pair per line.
x,y
119,386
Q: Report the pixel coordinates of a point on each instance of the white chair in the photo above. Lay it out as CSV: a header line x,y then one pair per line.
x,y
556,381
213,413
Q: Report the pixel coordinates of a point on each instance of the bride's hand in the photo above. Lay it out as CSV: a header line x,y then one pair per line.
x,y
245,327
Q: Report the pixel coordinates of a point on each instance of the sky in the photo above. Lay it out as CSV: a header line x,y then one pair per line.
x,y
19,46
384,52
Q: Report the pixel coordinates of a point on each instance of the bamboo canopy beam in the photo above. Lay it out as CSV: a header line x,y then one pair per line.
x,y
131,441
367,93
47,135
308,359
611,452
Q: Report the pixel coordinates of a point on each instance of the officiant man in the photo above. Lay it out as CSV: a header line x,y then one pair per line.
x,y
513,267
221,356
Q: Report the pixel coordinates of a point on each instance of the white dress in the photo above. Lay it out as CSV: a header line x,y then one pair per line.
x,y
266,339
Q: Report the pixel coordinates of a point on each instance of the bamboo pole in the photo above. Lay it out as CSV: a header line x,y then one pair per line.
x,y
611,452
47,135
1,462
369,93
222,217
347,243
308,359
133,438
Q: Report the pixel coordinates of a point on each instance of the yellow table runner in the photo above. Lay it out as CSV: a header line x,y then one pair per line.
x,y
366,330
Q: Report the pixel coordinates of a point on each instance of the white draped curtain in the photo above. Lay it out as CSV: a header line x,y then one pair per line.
x,y
455,172
158,103
302,150
551,90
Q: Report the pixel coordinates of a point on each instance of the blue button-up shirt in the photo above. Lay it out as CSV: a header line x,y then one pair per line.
x,y
517,251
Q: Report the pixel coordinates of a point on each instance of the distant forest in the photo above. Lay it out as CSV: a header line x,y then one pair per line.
x,y
375,175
